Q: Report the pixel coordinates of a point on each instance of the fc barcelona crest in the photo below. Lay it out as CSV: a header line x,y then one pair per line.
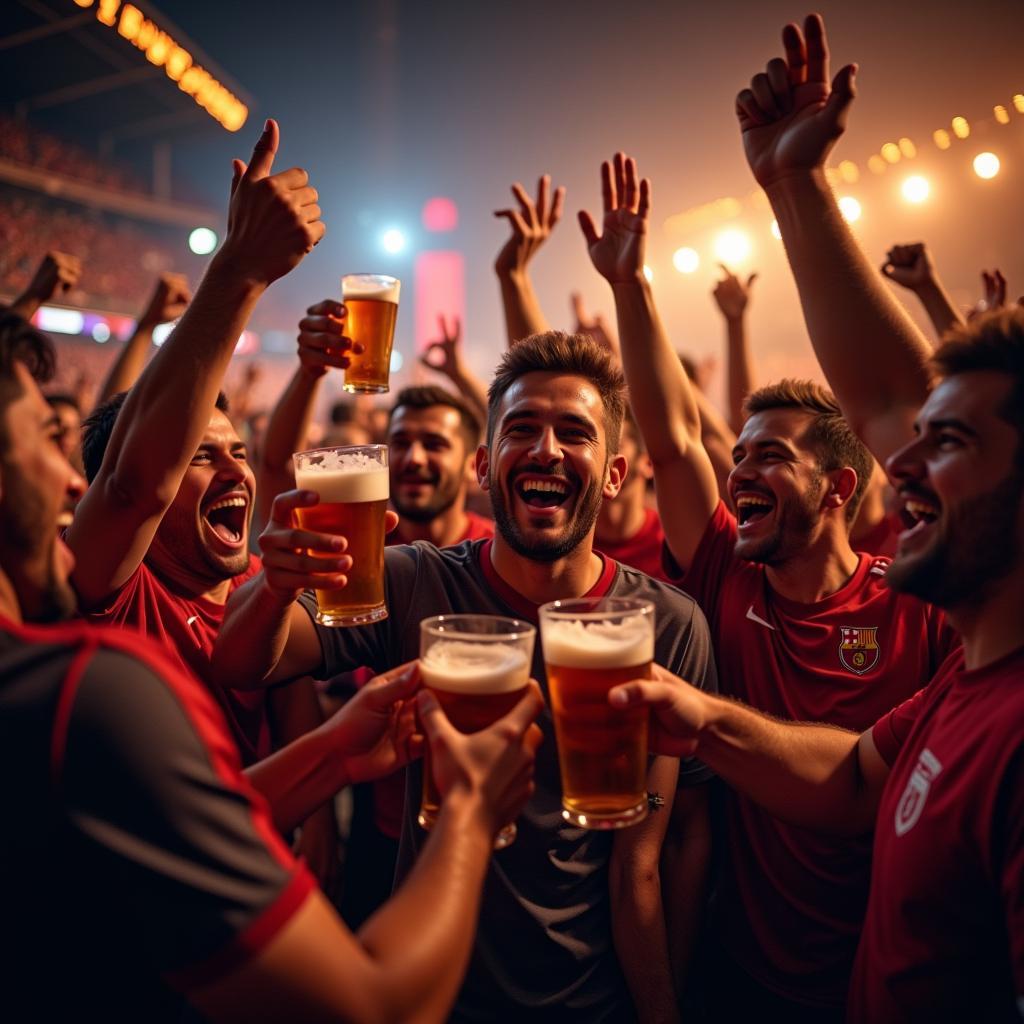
x,y
858,650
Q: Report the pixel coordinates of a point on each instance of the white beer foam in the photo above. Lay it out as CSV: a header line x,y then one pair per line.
x,y
356,287
344,477
577,644
458,666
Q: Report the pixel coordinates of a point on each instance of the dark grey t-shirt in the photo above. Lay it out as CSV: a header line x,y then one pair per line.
x,y
544,940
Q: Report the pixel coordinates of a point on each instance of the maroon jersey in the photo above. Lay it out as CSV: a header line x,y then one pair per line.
x,y
790,902
944,934
643,551
186,627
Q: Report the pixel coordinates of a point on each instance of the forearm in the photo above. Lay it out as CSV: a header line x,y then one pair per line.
x,y
740,369
523,315
128,365
422,937
872,354
472,389
939,307
26,305
286,434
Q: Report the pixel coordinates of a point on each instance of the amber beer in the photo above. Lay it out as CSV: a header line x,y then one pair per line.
x,y
590,646
477,666
371,304
353,486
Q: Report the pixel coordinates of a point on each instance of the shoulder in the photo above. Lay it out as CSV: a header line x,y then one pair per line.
x,y
479,527
668,600
423,556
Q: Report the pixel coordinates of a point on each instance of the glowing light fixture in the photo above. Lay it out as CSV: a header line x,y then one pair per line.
x,y
732,246
1018,103
849,172
1002,115
891,153
942,139
776,233
907,148
961,128
685,260
876,164
202,241
59,321
392,241
850,208
397,360
100,332
915,189
986,165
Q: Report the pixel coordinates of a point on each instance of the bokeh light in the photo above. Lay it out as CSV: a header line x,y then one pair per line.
x,y
732,246
202,241
850,208
685,260
915,189
986,165
392,241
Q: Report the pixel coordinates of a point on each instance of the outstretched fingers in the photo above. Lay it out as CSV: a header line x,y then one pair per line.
x,y
796,54
262,161
817,49
644,205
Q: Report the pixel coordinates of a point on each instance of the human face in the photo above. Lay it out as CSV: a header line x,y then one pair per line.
x,y
427,461
960,486
36,482
70,428
776,487
204,534
547,467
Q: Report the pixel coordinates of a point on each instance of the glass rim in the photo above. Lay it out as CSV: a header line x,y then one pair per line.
x,y
520,631
341,448
561,610
378,277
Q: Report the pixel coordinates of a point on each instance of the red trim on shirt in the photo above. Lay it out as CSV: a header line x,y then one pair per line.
x,y
248,943
523,605
62,716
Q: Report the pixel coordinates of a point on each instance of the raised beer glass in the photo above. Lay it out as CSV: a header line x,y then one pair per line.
x,y
591,645
371,304
353,486
478,667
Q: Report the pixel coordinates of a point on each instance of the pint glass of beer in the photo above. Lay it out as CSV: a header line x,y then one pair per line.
x,y
353,487
591,645
371,304
477,666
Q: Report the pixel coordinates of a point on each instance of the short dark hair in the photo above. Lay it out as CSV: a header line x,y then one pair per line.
x,y
574,355
99,425
994,341
830,434
21,343
424,396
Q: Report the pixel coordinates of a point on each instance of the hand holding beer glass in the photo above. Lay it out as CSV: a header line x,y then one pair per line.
x,y
371,310
591,645
478,668
353,486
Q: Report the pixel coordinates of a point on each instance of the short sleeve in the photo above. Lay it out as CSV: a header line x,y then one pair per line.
x,y
714,556
892,729
167,825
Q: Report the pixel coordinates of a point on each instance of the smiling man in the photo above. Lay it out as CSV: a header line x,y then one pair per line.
x,y
572,927
804,627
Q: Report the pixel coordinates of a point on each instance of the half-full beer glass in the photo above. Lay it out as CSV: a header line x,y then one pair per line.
x,y
371,304
477,666
591,645
353,486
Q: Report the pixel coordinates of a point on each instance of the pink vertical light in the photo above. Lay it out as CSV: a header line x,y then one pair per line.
x,y
440,290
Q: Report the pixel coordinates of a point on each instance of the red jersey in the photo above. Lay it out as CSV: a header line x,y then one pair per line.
x,y
944,934
881,539
643,550
187,627
790,902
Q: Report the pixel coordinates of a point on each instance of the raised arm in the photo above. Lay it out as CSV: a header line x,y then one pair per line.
x,y
874,357
55,276
732,296
446,356
912,267
273,221
169,300
661,395
531,225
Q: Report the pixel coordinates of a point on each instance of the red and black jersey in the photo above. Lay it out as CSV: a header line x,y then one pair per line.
x,y
790,902
944,933
140,863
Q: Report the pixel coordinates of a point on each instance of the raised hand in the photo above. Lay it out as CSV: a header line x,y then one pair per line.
x,y
618,253
731,295
595,327
790,116
531,224
169,300
273,219
676,712
57,274
994,286
322,341
493,766
445,354
910,265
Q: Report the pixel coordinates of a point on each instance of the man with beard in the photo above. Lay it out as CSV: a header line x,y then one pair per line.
x,y
804,627
138,832
565,908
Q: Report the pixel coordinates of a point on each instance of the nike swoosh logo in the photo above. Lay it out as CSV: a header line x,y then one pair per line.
x,y
754,617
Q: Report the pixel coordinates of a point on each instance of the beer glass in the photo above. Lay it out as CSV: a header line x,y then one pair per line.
x,y
591,645
477,666
371,304
353,486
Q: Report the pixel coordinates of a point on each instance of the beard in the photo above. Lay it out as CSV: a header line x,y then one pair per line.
x,y
975,547
57,600
547,549
179,543
445,494
796,520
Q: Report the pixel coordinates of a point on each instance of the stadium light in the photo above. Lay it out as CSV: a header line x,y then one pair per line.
x,y
100,333
685,260
915,189
202,241
392,241
732,246
850,208
986,165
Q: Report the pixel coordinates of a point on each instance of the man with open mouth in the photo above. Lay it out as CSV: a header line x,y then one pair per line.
x,y
804,627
